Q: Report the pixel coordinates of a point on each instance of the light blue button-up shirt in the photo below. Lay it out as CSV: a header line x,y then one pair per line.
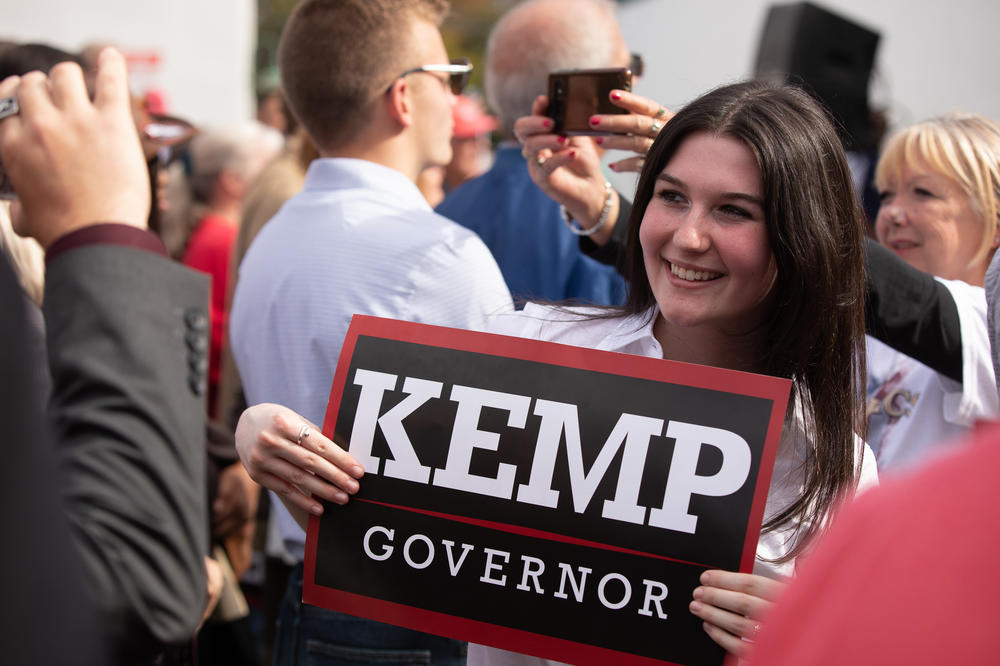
x,y
359,238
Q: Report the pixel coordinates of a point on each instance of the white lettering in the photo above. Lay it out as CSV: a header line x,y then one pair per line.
x,y
533,568
631,430
466,437
684,482
409,557
662,594
493,566
378,545
604,599
453,566
404,463
567,574
373,386
386,549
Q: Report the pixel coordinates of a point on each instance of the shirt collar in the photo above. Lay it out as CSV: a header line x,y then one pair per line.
x,y
634,331
346,173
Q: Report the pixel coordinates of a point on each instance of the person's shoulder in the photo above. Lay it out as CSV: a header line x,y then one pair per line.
x,y
965,293
460,240
469,194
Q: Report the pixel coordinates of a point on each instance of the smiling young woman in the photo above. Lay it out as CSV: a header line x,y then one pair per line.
x,y
744,251
706,251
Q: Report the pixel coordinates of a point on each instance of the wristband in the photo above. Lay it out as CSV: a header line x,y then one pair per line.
x,y
602,220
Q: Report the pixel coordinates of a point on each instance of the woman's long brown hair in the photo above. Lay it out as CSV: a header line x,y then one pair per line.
x,y
814,332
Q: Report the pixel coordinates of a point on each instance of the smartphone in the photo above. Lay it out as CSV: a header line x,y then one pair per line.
x,y
577,94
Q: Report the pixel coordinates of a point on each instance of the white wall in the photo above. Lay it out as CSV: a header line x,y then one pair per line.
x,y
933,57
205,46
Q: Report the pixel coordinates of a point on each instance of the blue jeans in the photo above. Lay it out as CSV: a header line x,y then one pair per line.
x,y
312,636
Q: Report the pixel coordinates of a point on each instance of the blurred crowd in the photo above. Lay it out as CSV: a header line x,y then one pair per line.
x,y
178,295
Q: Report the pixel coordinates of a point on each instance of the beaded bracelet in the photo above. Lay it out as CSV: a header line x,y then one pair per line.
x,y
575,227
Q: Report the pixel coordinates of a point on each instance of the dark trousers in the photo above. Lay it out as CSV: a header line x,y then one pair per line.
x,y
312,636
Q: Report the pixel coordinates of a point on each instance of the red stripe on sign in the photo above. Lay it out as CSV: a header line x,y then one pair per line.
x,y
537,534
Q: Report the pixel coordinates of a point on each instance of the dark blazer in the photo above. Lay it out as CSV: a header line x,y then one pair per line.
x,y
103,510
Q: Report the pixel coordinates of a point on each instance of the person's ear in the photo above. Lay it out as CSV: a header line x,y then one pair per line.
x,y
400,106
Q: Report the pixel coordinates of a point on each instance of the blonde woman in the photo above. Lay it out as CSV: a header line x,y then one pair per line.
x,y
939,183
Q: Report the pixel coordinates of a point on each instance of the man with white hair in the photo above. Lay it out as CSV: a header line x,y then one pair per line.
x,y
525,230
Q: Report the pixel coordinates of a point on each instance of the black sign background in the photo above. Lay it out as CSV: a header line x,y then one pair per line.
x,y
603,385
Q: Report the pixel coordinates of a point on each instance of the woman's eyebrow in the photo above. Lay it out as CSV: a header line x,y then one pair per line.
x,y
742,196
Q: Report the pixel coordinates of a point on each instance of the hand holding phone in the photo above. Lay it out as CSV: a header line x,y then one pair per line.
x,y
577,94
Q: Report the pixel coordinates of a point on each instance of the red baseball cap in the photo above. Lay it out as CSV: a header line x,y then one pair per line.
x,y
470,119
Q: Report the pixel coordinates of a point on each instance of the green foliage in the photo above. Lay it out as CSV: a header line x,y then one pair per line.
x,y
464,33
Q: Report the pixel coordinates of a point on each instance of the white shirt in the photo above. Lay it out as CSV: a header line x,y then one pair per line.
x,y
359,238
634,335
915,413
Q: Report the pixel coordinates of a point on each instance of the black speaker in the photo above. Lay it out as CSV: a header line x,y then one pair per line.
x,y
828,55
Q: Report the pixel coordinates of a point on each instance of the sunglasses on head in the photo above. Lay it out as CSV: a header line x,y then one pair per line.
x,y
458,73
637,64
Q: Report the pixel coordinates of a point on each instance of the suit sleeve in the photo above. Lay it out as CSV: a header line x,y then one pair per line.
x,y
127,340
912,312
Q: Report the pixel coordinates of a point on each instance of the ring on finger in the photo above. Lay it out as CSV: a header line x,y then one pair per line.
x,y
8,107
303,433
540,161
655,128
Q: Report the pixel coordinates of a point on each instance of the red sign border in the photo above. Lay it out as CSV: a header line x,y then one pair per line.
x,y
641,367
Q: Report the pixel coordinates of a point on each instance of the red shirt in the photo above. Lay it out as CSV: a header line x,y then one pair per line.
x,y
906,575
209,250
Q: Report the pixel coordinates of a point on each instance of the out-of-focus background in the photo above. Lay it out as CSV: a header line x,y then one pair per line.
x,y
207,58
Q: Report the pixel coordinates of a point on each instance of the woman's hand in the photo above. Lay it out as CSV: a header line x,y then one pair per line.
x,y
287,454
732,605
568,169
634,131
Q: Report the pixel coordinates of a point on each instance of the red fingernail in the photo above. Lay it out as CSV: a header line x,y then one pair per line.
x,y
546,123
561,139
594,120
616,95
599,140
572,154
613,165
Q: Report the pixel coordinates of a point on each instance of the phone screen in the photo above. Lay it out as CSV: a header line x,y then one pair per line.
x,y
576,95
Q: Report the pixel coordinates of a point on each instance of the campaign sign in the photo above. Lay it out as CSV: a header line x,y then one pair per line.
x,y
541,498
